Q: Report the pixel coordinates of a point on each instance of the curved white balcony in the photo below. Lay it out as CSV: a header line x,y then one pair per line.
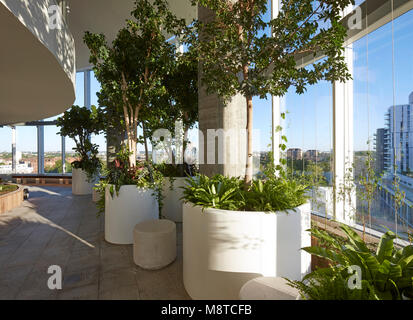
x,y
37,62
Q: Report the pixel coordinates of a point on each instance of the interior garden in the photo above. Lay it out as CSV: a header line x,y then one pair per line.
x,y
236,228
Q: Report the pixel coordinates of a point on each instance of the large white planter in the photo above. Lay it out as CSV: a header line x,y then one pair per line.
x,y
124,211
172,205
80,183
222,249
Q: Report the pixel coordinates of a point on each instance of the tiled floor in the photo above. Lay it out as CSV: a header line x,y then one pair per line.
x,y
56,228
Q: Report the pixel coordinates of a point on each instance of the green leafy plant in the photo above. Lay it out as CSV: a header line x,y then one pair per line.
x,y
251,63
389,270
217,192
79,123
332,284
142,175
176,109
5,188
270,195
132,69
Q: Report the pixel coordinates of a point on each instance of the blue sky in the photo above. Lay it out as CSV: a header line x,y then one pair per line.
x,y
309,116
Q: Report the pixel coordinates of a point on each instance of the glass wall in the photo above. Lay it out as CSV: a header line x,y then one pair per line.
x,y
308,127
26,150
5,150
383,125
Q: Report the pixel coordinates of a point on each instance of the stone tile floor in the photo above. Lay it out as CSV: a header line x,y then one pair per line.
x,y
55,227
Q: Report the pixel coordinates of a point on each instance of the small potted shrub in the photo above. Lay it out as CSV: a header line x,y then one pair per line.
x,y
128,196
79,123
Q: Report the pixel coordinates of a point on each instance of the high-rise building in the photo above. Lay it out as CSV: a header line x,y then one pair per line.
x,y
400,137
382,144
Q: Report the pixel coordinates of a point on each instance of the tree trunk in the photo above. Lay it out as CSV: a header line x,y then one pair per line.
x,y
248,168
132,148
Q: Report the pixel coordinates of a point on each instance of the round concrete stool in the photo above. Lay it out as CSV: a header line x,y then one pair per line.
x,y
268,288
154,244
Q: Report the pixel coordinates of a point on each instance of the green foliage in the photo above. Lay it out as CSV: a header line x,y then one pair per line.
x,y
275,194
79,123
142,174
389,270
332,284
217,192
5,188
58,167
131,70
235,38
252,63
229,193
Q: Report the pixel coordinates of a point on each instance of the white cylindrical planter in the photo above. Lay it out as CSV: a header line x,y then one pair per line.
x,y
122,212
80,183
172,205
223,249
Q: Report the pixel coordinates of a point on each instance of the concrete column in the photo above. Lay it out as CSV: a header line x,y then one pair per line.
x,y
226,153
87,89
40,149
13,149
114,140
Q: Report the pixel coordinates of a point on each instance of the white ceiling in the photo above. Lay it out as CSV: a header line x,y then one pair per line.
x,y
107,17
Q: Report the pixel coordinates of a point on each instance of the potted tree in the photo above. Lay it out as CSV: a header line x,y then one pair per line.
x,y
180,113
79,123
225,220
130,72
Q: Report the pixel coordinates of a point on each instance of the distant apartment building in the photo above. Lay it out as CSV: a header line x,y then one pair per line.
x,y
294,154
382,143
399,123
311,155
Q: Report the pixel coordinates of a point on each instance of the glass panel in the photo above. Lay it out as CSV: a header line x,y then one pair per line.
x,y
383,84
26,149
52,150
262,122
100,139
308,127
5,150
